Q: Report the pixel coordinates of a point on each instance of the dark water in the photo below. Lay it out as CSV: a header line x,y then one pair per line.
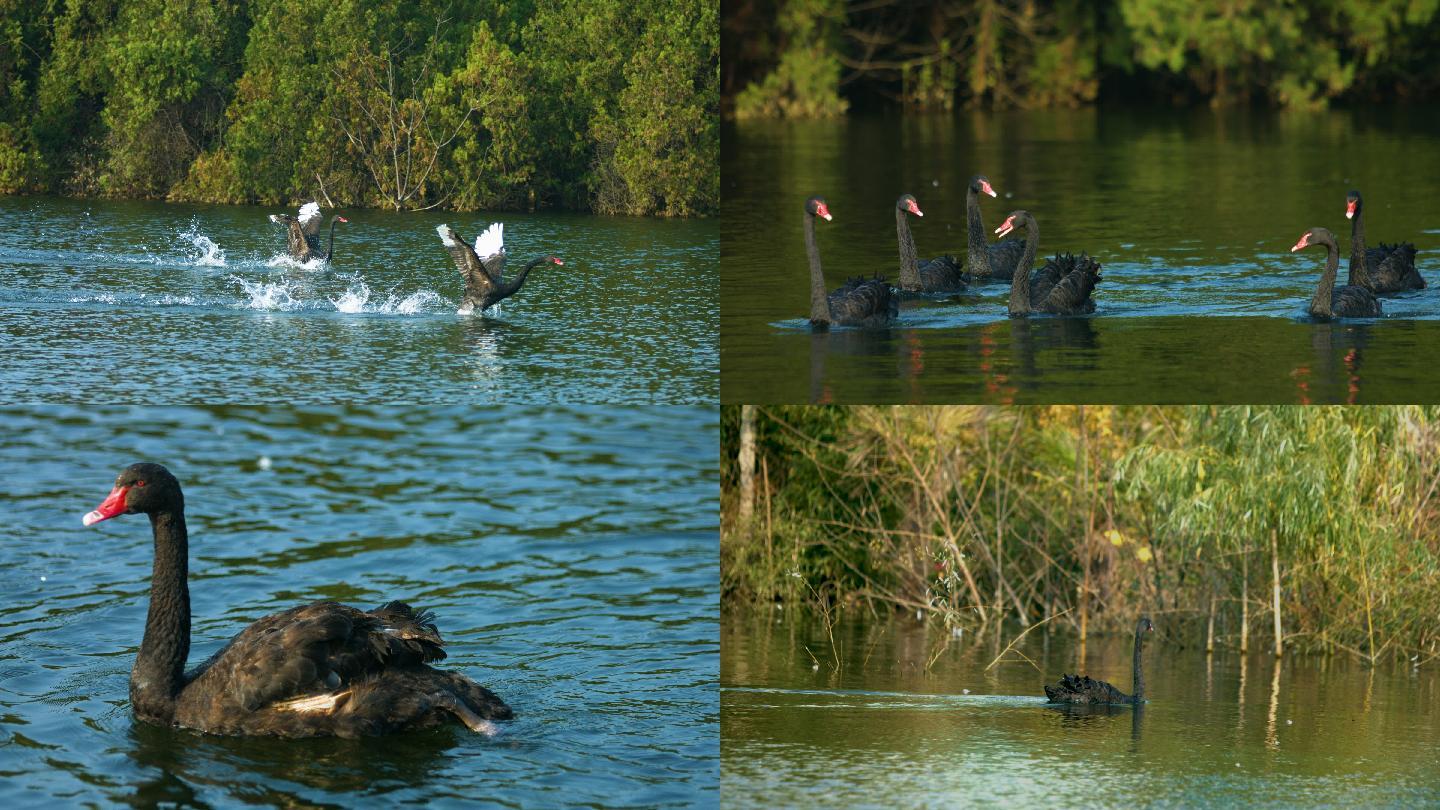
x,y
569,554
110,300
1192,215
895,728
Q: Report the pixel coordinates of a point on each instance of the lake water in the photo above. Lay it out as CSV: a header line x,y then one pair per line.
x,y
893,727
113,301
1191,213
568,553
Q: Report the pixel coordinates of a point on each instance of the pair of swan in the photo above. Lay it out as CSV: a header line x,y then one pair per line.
x,y
323,669
1383,269
482,267
1063,286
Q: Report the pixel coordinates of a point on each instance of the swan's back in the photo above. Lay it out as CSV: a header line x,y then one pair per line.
x,y
1084,689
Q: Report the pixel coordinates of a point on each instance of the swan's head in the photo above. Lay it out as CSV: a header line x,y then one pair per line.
x,y
909,205
339,218
1352,204
555,260
139,488
1144,628
980,185
1313,237
1017,219
816,207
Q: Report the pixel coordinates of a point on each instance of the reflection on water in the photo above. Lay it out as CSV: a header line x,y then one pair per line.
x,y
913,717
1192,214
569,554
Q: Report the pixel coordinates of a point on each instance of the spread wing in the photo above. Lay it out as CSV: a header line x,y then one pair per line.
x,y
294,235
477,279
310,218
490,247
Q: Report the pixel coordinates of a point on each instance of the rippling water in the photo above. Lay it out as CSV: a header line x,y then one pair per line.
x,y
913,717
1191,214
569,554
110,300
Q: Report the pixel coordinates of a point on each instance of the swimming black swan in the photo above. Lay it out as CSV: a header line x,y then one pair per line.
x,y
1349,301
317,670
1389,268
303,239
485,283
1085,689
987,262
1063,286
940,274
861,302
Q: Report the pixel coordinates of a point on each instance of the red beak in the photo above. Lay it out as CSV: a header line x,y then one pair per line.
x,y
823,210
114,504
985,187
1349,209
341,219
1304,242
1006,227
914,208
556,260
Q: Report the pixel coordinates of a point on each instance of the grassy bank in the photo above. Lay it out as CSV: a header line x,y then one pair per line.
x,y
1283,528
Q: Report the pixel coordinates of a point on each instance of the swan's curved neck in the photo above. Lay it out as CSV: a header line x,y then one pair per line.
x,y
819,304
1320,305
330,251
909,266
1020,283
979,256
159,670
1139,695
1359,271
519,280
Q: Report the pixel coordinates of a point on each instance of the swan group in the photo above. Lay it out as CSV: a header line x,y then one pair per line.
x,y
1066,282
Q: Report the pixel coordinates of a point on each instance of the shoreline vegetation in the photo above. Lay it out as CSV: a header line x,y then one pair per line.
x,y
588,105
820,58
1260,529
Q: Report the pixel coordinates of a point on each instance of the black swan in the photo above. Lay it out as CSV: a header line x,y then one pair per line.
x,y
861,302
988,262
317,670
485,283
1388,268
1085,689
303,239
940,274
1063,286
1349,301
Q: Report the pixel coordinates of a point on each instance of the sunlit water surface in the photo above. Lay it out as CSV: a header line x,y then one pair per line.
x,y
569,555
112,300
1191,213
913,718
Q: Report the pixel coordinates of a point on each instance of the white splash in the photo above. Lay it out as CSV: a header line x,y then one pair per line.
x,y
284,260
210,254
356,298
267,295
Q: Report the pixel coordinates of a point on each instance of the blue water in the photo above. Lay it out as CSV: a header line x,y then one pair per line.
x,y
569,555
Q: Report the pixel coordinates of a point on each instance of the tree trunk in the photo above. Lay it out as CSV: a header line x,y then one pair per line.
x,y
1245,602
1210,628
1080,459
747,467
1275,570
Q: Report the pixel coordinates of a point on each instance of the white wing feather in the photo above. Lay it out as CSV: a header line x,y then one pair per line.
x,y
491,242
309,211
446,235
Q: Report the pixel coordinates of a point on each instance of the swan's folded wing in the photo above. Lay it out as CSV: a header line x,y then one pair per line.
x,y
476,278
490,247
310,218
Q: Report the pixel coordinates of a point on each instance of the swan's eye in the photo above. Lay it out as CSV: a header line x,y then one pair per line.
x,y
139,483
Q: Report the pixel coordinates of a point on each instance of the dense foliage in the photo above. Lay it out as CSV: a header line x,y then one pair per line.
x,y
582,104
1210,517
813,57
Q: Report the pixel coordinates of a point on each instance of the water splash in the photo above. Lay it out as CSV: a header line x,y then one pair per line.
x,y
284,260
356,298
268,295
210,254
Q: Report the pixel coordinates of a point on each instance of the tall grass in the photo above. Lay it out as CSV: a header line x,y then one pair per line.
x,y
1314,529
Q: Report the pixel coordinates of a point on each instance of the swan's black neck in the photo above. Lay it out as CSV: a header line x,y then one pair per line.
x,y
1139,694
330,251
979,256
516,283
1020,283
1320,305
1359,271
909,265
819,303
159,670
